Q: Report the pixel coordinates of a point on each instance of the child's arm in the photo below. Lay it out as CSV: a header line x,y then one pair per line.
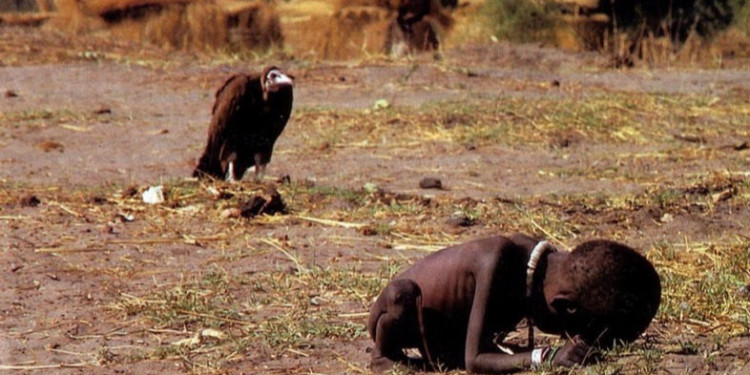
x,y
476,360
482,360
574,352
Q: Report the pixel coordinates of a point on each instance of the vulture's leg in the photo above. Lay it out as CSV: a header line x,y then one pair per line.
x,y
230,173
260,168
229,176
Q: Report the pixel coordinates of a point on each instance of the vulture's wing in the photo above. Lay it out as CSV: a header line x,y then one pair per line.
x,y
237,102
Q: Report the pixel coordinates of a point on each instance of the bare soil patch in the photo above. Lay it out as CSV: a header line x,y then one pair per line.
x,y
522,138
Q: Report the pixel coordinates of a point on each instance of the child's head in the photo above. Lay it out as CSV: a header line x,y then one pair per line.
x,y
603,291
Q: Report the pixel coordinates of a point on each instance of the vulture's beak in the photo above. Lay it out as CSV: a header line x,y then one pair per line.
x,y
283,80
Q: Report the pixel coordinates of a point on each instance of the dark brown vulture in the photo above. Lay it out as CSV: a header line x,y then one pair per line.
x,y
249,114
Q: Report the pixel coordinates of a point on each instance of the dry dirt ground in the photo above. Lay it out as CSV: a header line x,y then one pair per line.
x,y
523,138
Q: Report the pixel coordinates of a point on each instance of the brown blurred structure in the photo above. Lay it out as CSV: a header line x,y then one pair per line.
x,y
328,29
25,12
584,26
417,27
336,29
251,24
195,24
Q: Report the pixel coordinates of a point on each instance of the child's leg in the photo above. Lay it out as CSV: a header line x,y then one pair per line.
x,y
394,324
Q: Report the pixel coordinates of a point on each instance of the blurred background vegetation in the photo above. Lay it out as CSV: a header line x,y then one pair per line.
x,y
631,29
627,30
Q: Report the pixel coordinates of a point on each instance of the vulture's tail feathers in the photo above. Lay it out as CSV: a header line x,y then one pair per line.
x,y
208,167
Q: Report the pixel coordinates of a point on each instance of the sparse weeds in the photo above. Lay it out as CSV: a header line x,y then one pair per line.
x,y
522,21
612,118
200,303
257,289
40,118
676,32
273,311
701,281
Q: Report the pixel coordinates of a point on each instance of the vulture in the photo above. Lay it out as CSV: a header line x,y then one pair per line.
x,y
249,114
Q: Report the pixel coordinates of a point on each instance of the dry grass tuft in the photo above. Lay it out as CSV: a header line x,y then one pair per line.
x,y
340,30
347,29
298,286
222,317
702,281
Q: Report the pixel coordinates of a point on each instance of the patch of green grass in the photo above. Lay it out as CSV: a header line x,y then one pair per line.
x,y
741,10
700,283
40,117
305,191
281,306
276,310
204,302
521,20
601,117
668,197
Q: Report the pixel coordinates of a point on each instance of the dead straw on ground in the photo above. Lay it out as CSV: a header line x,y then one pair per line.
x,y
268,293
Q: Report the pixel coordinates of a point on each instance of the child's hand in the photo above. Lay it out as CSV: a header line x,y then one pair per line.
x,y
573,353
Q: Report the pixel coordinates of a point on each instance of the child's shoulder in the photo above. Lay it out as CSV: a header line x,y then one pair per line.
x,y
482,251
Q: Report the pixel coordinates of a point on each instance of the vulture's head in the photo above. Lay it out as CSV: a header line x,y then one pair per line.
x,y
274,80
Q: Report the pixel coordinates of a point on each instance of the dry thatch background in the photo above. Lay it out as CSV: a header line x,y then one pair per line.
x,y
196,25
323,29
340,29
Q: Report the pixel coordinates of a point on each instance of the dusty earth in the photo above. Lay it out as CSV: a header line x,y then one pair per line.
x,y
87,125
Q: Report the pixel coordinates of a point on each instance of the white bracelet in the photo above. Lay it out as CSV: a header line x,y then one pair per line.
x,y
537,356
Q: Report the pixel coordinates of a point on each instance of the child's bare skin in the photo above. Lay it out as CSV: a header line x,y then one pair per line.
x,y
451,304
